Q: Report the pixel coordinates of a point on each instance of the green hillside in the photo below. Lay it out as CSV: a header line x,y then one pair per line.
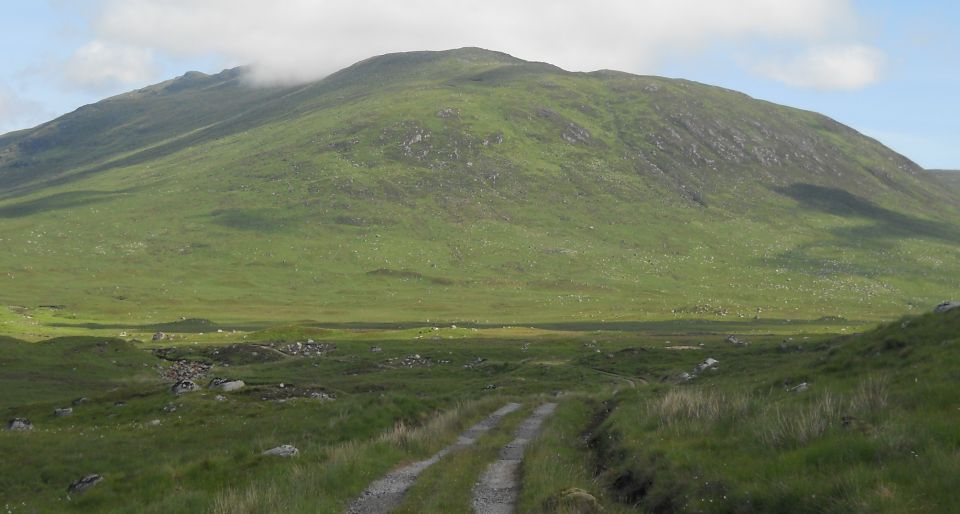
x,y
463,185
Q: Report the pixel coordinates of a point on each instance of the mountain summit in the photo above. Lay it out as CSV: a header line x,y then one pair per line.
x,y
465,184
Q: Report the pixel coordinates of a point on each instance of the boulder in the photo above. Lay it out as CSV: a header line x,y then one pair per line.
x,y
62,412
184,386
84,483
946,306
285,450
705,365
19,425
227,385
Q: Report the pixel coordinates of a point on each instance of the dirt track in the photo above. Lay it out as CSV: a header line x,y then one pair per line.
x,y
497,491
385,494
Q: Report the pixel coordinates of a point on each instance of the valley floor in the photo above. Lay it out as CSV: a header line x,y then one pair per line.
x,y
442,419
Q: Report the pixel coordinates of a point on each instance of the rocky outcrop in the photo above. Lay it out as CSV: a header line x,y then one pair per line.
x,y
285,450
946,307
20,425
84,483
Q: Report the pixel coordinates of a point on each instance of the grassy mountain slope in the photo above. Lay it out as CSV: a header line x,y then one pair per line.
x,y
949,178
464,185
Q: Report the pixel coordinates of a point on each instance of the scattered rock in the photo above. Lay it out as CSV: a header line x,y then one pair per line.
x,y
20,425
159,336
945,307
78,401
154,423
493,139
801,387
490,387
448,112
220,398
735,341
285,450
308,349
119,404
184,386
410,361
84,483
227,385
322,395
169,408
574,134
63,412
376,349
185,370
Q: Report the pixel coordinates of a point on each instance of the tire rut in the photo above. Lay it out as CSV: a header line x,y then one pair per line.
x,y
386,493
499,487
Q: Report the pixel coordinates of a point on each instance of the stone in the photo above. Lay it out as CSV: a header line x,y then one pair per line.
x,y
946,307
78,401
220,398
159,336
63,412
285,450
801,387
20,425
184,386
153,423
84,483
705,365
736,341
376,349
227,385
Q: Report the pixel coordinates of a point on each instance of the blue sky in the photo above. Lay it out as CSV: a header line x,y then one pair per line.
x,y
890,69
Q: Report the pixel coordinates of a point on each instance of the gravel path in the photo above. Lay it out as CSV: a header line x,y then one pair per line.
x,y
385,494
497,491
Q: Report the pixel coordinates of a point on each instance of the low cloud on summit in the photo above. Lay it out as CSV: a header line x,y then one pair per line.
x,y
302,40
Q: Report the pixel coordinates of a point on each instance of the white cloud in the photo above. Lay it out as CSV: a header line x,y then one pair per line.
x,y
17,112
843,67
299,40
102,66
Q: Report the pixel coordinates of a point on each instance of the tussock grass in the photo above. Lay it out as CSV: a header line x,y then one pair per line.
x,y
335,475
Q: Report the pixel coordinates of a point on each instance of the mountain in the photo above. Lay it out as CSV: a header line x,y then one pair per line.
x,y
949,178
465,185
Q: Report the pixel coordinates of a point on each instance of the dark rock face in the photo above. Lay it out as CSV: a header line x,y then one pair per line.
x,y
84,483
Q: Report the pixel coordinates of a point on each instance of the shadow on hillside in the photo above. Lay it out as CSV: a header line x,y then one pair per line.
x,y
887,222
55,202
